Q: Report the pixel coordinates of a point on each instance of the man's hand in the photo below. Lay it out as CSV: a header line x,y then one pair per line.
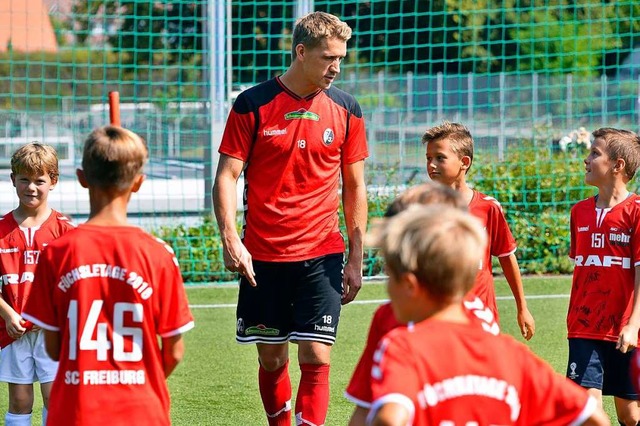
x,y
526,323
351,281
238,259
628,338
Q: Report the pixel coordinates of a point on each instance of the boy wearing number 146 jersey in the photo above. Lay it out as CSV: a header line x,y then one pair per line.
x,y
104,293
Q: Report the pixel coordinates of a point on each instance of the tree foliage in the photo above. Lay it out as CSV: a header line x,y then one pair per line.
x,y
430,36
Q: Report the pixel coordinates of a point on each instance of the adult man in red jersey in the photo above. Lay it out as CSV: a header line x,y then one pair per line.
x,y
295,136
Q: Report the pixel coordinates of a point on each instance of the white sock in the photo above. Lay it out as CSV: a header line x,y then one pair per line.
x,y
45,412
11,419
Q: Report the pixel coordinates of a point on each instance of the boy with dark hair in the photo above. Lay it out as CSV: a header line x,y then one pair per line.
x,y
449,158
104,294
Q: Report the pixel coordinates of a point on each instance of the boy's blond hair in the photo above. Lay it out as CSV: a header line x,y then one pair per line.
x,y
35,159
113,157
426,193
314,27
458,136
623,144
441,245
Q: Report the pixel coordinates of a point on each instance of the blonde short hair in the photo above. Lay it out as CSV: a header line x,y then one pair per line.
x,y
35,159
314,27
441,245
623,144
426,193
113,157
458,136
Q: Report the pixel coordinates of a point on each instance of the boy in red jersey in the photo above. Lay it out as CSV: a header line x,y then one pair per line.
x,y
359,389
103,294
604,313
298,136
443,368
449,158
24,232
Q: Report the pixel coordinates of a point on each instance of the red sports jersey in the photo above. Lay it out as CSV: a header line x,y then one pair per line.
x,y
294,148
359,388
605,248
109,292
456,374
20,250
500,243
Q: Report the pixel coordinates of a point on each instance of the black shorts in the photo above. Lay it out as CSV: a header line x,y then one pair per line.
x,y
293,301
598,364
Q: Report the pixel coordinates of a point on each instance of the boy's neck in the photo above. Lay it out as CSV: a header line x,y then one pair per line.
x,y
611,196
463,189
108,210
449,312
28,218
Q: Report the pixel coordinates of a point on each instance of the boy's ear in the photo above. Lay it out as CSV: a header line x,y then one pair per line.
x,y
81,178
619,165
466,162
13,179
137,182
411,284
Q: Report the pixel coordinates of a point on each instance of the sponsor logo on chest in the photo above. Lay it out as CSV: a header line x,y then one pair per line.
x,y
302,114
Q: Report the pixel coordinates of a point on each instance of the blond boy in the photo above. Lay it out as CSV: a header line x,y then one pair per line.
x,y
24,233
443,369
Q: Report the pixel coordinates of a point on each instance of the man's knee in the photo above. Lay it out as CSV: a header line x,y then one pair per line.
x,y
273,357
314,353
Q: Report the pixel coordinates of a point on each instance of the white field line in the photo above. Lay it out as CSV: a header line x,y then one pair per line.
x,y
379,301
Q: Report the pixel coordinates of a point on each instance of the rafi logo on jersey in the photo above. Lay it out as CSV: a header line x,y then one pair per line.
x,y
9,250
583,229
274,132
12,279
603,261
328,136
302,114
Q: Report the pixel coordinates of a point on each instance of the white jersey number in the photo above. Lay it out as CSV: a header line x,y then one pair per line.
x,y
101,343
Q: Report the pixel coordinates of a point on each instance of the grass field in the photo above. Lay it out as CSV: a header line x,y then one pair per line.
x,y
217,382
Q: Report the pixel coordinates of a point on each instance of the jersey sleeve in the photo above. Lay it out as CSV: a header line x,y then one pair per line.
x,y
549,398
174,316
355,147
635,238
238,136
502,241
393,377
40,307
359,387
572,244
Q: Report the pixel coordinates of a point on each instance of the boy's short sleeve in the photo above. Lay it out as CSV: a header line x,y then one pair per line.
x,y
359,388
174,316
549,398
40,307
393,375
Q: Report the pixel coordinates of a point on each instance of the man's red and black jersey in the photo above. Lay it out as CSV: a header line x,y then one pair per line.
x,y
294,149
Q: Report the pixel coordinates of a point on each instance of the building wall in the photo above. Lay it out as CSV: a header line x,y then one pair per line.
x,y
25,25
